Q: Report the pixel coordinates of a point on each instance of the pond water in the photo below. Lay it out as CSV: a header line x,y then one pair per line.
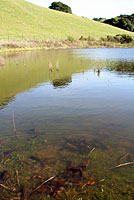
x,y
60,109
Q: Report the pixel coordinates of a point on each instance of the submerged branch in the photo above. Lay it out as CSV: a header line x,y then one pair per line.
x,y
13,119
17,176
7,188
122,165
91,151
44,182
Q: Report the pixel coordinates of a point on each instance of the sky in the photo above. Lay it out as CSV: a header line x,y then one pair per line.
x,y
94,8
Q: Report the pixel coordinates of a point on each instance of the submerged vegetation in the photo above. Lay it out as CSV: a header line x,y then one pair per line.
x,y
71,165
122,67
66,167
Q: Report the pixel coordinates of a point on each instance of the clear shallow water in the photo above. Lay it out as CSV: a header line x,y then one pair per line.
x,y
85,101
58,111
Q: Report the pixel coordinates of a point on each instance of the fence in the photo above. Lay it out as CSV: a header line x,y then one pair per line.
x,y
32,37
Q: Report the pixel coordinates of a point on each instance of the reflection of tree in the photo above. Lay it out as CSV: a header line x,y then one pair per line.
x,y
1,61
62,82
4,102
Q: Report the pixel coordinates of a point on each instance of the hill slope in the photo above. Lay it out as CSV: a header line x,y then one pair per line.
x,y
19,18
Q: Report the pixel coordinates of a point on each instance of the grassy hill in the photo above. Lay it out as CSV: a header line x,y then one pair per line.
x,y
19,18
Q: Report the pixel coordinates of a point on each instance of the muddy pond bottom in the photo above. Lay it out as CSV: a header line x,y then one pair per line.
x,y
66,124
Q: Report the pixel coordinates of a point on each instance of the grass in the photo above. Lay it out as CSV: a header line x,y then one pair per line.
x,y
21,19
13,45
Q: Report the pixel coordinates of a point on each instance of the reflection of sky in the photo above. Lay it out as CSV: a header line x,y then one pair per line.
x,y
104,54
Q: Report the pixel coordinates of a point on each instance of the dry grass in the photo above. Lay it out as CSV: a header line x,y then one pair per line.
x,y
15,45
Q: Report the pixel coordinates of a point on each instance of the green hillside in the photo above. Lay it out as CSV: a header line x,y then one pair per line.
x,y
19,18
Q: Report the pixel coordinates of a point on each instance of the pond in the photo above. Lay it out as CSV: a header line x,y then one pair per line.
x,y
67,124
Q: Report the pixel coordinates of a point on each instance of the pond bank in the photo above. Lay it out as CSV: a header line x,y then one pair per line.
x,y
26,45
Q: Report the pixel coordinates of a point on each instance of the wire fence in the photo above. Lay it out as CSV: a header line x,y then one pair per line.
x,y
9,37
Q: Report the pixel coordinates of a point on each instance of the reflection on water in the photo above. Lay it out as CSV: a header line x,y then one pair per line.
x,y
106,54
121,67
61,82
1,61
72,112
92,92
5,102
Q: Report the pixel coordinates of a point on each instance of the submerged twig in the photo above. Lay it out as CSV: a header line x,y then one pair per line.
x,y
7,188
44,182
13,119
91,181
91,151
72,146
122,165
17,176
23,195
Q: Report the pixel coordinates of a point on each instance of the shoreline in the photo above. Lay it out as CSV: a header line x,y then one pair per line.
x,y
33,45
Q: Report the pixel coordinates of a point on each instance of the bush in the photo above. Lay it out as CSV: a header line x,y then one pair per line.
x,y
121,38
71,39
126,39
90,38
83,38
110,38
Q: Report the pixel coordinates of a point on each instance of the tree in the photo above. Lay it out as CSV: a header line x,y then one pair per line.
x,y
60,7
99,19
123,21
126,24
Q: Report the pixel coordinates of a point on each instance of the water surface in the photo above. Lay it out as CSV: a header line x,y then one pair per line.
x,y
61,96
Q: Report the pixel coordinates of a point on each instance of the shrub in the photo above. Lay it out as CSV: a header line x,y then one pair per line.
x,y
90,38
110,38
121,38
83,38
71,39
126,39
